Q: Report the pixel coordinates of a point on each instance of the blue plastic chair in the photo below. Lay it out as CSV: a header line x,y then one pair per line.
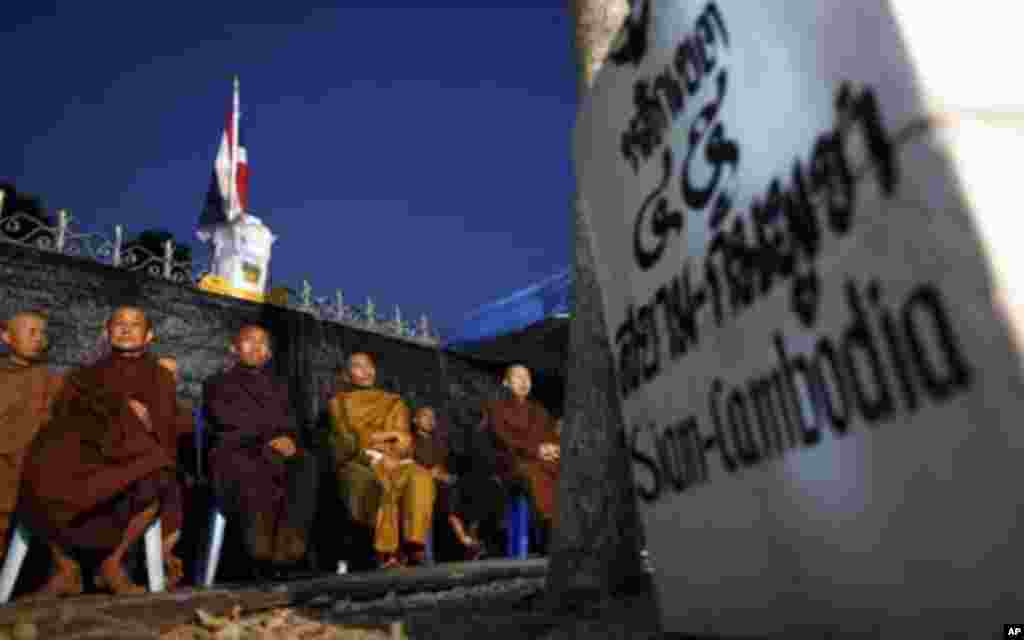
x,y
208,561
517,522
429,547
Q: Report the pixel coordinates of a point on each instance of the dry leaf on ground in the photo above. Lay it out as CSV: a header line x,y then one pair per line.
x,y
276,624
210,621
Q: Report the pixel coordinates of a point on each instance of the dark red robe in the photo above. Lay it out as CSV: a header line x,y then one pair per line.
x,y
244,410
97,465
519,428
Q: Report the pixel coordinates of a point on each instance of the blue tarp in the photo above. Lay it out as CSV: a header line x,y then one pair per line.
x,y
549,298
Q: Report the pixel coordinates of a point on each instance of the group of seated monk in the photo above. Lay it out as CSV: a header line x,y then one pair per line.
x,y
90,459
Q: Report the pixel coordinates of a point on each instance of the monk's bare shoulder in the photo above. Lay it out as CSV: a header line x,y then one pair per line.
x,y
165,378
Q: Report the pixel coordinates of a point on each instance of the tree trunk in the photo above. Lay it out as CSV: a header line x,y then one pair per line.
x,y
596,550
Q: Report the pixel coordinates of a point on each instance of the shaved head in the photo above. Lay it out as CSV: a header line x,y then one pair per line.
x,y
252,346
362,369
129,331
518,380
362,354
129,309
424,420
513,368
9,323
25,336
247,329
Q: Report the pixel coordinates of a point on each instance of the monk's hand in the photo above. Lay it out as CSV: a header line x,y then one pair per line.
x,y
141,412
548,452
283,445
389,463
380,437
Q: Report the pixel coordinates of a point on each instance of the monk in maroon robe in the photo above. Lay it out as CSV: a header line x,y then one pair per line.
x,y
103,469
526,443
260,473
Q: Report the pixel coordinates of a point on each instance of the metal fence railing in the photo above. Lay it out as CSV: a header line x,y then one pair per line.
x,y
31,231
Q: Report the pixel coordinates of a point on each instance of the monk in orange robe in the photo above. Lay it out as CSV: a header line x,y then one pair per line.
x,y
380,482
527,446
103,469
27,392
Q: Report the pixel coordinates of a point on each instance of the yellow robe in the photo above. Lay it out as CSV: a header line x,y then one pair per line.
x,y
398,504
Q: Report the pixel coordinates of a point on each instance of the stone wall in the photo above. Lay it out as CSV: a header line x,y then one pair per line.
x,y
195,327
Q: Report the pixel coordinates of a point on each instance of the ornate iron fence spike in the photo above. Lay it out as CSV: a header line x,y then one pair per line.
x,y
136,257
118,239
307,293
168,258
62,229
370,312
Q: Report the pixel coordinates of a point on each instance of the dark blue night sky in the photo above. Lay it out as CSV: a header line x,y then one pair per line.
x,y
416,154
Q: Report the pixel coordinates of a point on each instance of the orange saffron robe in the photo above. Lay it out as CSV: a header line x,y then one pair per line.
x,y
398,505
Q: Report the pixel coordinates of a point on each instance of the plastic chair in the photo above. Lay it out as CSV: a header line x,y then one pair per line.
x,y
17,549
214,546
517,522
429,547
209,560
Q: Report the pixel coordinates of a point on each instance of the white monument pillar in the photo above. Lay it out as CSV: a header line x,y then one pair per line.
x,y
241,258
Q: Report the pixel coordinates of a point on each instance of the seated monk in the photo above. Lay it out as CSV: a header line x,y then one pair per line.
x,y
430,451
526,444
260,473
464,501
103,470
383,487
27,392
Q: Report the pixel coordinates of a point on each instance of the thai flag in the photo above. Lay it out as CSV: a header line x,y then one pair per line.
x,y
228,196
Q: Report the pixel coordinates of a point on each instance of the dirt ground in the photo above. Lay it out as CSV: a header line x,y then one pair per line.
x,y
280,624
501,600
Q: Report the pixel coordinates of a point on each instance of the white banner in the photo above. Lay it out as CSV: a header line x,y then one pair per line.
x,y
806,232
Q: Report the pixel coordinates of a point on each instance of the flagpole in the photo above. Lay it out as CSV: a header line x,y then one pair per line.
x,y
235,200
